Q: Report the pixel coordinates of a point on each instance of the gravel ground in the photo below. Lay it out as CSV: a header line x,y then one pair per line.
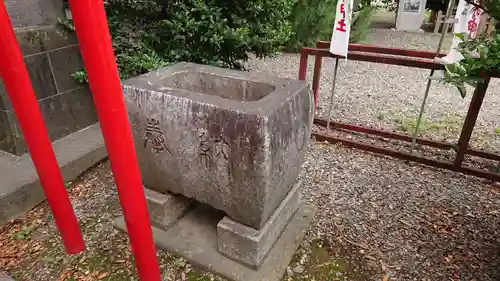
x,y
31,250
384,217
378,218
389,97
387,217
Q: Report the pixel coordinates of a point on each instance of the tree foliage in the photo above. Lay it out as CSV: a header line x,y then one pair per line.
x,y
148,34
361,22
311,20
481,54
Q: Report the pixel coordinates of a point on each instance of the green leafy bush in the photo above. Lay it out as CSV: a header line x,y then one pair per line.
x,y
361,22
148,34
311,20
481,54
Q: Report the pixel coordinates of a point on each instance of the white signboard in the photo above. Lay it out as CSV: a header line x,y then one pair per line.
x,y
411,6
466,23
341,28
411,14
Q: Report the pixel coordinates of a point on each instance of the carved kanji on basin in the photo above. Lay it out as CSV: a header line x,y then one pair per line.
x,y
231,139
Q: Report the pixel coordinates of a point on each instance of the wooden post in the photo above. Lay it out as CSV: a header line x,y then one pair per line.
x,y
439,20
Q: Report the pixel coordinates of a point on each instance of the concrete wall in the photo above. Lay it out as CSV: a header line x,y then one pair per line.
x,y
32,13
51,56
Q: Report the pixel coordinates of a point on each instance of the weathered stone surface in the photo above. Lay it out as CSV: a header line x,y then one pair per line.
x,y
63,114
41,78
231,139
20,188
250,246
6,140
69,112
11,138
39,71
38,67
65,62
51,56
166,208
34,43
4,100
29,13
194,237
43,39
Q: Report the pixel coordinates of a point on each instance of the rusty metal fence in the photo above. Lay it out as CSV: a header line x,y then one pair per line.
x,y
408,58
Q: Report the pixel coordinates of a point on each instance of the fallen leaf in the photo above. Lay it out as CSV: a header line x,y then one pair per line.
x,y
102,275
383,265
405,223
36,249
386,278
63,275
370,257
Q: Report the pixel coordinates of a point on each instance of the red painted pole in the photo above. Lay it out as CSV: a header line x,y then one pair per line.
x,y
97,52
16,80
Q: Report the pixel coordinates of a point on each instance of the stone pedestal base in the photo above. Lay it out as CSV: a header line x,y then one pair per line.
x,y
202,231
194,237
166,209
250,246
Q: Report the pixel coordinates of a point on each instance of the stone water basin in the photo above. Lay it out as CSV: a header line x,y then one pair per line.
x,y
231,139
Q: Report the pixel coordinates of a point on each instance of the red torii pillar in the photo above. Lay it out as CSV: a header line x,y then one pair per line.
x,y
17,82
97,52
96,47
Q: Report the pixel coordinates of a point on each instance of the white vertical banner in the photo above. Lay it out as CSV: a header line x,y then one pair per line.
x,y
341,28
466,23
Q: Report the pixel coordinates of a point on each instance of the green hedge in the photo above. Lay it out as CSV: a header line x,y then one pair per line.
x,y
311,20
361,23
149,33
